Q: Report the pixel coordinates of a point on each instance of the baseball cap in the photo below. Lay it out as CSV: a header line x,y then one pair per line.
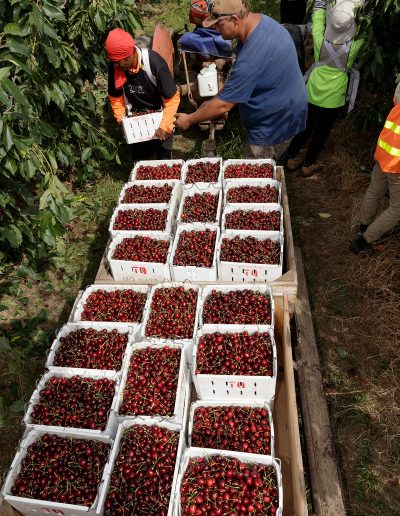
x,y
222,9
340,23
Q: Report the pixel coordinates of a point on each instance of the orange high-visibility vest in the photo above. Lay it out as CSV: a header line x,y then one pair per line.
x,y
387,152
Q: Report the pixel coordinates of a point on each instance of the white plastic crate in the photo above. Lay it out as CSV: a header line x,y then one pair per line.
x,y
246,162
77,313
156,163
115,452
143,272
111,426
248,272
264,289
141,128
237,183
182,386
190,272
250,404
200,188
39,507
171,212
203,160
71,327
235,387
251,458
175,193
252,207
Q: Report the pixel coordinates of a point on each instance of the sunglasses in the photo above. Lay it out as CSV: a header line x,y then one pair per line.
x,y
216,16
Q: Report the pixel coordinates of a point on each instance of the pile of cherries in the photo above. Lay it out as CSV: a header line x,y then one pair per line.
x,y
124,305
162,171
152,381
142,249
244,429
78,402
235,354
218,485
141,112
141,194
200,208
195,248
202,172
242,306
255,220
141,220
172,313
142,478
264,170
62,470
91,349
250,250
253,194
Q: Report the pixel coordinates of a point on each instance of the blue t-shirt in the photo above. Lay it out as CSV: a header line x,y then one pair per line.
x,y
267,83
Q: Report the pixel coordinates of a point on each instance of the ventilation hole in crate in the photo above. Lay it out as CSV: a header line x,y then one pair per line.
x,y
226,383
212,382
227,392
241,393
213,391
255,393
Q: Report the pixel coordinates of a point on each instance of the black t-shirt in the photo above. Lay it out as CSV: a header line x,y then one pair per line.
x,y
139,90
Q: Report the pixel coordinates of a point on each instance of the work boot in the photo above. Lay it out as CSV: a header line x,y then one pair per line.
x,y
361,229
309,170
361,246
294,163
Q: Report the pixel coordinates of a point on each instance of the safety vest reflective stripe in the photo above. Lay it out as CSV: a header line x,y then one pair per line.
x,y
392,126
388,148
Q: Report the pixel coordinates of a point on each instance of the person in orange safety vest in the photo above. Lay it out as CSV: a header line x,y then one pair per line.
x,y
139,81
385,178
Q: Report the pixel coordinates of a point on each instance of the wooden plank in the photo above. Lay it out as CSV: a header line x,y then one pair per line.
x,y
287,435
326,488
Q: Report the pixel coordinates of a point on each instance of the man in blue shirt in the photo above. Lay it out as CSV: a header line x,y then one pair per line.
x,y
265,81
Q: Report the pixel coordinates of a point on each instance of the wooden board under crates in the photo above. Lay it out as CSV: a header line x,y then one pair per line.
x,y
286,284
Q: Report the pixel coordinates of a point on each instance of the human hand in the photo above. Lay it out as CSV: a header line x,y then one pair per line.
x,y
182,120
161,134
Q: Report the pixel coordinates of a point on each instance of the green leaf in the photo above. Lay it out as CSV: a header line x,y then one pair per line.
x,y
53,12
4,98
12,28
18,46
8,138
77,129
13,235
49,31
15,92
325,215
18,406
38,20
11,166
342,353
4,72
4,344
87,152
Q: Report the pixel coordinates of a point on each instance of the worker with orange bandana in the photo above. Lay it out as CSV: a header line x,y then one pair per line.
x,y
385,178
140,80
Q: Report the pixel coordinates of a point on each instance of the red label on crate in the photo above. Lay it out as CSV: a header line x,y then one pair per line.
x,y
139,270
239,385
46,510
250,272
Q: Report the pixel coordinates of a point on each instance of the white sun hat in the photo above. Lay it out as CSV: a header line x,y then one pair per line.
x,y
340,22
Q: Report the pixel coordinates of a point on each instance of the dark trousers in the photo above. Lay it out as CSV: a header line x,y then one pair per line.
x,y
319,124
153,148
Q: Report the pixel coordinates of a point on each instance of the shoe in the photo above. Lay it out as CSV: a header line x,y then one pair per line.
x,y
309,170
361,246
361,229
294,163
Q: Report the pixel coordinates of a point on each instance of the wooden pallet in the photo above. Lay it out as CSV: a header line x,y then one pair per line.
x,y
286,284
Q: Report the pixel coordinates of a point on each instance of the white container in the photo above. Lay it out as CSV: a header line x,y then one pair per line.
x,y
141,128
250,404
253,207
168,228
264,289
77,313
181,390
190,272
115,452
40,507
175,193
72,327
111,426
237,183
235,387
190,190
250,458
247,272
190,162
156,163
247,162
135,271
188,343
208,81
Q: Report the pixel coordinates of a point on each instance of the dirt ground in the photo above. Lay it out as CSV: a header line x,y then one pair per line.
x,y
355,303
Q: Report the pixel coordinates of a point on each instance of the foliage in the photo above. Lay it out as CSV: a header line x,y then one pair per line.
x,y
50,131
